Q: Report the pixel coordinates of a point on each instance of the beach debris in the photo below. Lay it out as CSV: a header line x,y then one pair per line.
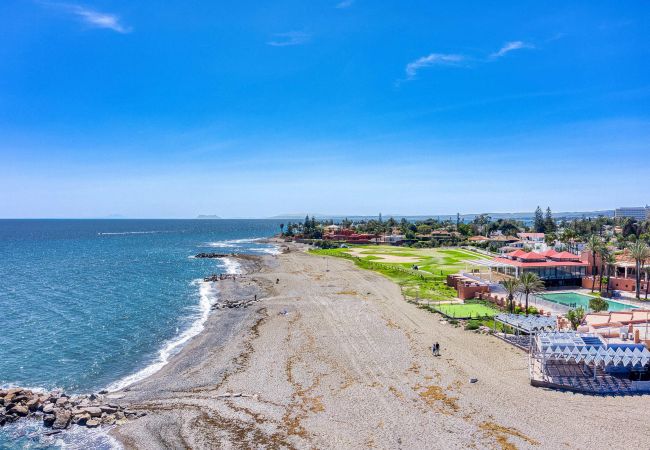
x,y
473,380
58,411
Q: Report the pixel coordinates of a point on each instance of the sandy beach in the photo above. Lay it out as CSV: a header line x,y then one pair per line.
x,y
333,357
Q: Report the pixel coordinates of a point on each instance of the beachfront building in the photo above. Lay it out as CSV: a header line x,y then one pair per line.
x,y
554,268
589,363
639,213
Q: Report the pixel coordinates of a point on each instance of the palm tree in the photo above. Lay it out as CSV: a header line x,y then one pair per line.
x,y
511,285
647,281
610,262
594,244
639,251
604,254
530,283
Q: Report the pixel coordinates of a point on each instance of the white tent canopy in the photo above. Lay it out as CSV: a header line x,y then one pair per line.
x,y
590,349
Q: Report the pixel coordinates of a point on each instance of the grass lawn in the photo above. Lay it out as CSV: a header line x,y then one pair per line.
x,y
427,283
465,311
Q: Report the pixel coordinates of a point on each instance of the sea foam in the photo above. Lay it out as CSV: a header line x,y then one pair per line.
x,y
208,294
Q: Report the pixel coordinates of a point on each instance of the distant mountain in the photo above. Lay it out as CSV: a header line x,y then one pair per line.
x,y
523,216
207,216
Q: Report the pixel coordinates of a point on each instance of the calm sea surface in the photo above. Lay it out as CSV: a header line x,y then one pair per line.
x,y
93,304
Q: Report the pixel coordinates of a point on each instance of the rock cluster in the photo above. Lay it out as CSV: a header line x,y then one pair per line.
x,y
214,255
222,276
223,304
59,411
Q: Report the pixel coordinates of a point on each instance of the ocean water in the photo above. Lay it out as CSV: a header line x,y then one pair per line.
x,y
98,304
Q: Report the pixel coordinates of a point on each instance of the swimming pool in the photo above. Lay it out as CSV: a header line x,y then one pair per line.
x,y
573,299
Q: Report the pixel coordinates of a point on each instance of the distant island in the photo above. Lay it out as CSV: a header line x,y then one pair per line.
x,y
208,216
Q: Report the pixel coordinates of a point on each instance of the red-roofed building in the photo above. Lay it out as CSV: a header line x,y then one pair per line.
x,y
555,269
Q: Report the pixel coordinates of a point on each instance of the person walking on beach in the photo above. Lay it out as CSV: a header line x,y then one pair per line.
x,y
437,349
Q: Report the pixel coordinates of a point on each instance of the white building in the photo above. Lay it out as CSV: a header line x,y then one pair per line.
x,y
639,213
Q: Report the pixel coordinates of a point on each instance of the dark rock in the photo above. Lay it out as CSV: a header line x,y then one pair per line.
x,y
212,255
103,392
48,420
81,419
34,404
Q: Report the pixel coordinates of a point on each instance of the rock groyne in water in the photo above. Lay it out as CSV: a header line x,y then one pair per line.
x,y
59,411
214,255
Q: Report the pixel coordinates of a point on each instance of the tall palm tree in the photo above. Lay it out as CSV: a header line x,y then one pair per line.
x,y
511,285
594,244
604,253
530,283
610,262
639,251
647,281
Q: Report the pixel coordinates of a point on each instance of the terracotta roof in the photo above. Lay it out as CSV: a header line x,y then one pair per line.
x,y
565,255
512,262
516,253
532,256
549,253
478,238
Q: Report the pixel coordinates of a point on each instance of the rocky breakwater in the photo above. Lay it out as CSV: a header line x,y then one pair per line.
x,y
214,255
59,411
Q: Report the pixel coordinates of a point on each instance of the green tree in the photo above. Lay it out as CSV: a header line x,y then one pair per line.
x,y
639,251
539,220
549,223
598,304
529,283
511,285
576,316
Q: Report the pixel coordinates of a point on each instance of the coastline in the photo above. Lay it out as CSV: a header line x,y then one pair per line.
x,y
333,357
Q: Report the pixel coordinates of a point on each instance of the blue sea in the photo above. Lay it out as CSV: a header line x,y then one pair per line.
x,y
87,305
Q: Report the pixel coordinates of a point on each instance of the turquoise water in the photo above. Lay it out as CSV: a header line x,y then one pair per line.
x,y
570,299
91,304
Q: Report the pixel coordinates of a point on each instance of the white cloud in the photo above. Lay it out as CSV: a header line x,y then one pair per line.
x,y
289,38
345,4
431,60
92,17
509,47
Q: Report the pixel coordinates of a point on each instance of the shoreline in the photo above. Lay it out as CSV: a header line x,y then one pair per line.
x,y
333,357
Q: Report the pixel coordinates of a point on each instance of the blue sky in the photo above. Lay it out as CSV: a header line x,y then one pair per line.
x,y
242,108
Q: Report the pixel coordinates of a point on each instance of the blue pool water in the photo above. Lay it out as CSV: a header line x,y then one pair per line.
x,y
571,298
90,304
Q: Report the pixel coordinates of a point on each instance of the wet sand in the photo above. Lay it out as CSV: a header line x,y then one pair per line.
x,y
333,357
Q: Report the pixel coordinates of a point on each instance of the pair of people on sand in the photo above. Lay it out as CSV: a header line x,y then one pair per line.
x,y
435,349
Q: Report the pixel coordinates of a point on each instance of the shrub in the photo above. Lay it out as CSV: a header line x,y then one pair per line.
x,y
598,304
472,325
518,309
532,310
453,322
